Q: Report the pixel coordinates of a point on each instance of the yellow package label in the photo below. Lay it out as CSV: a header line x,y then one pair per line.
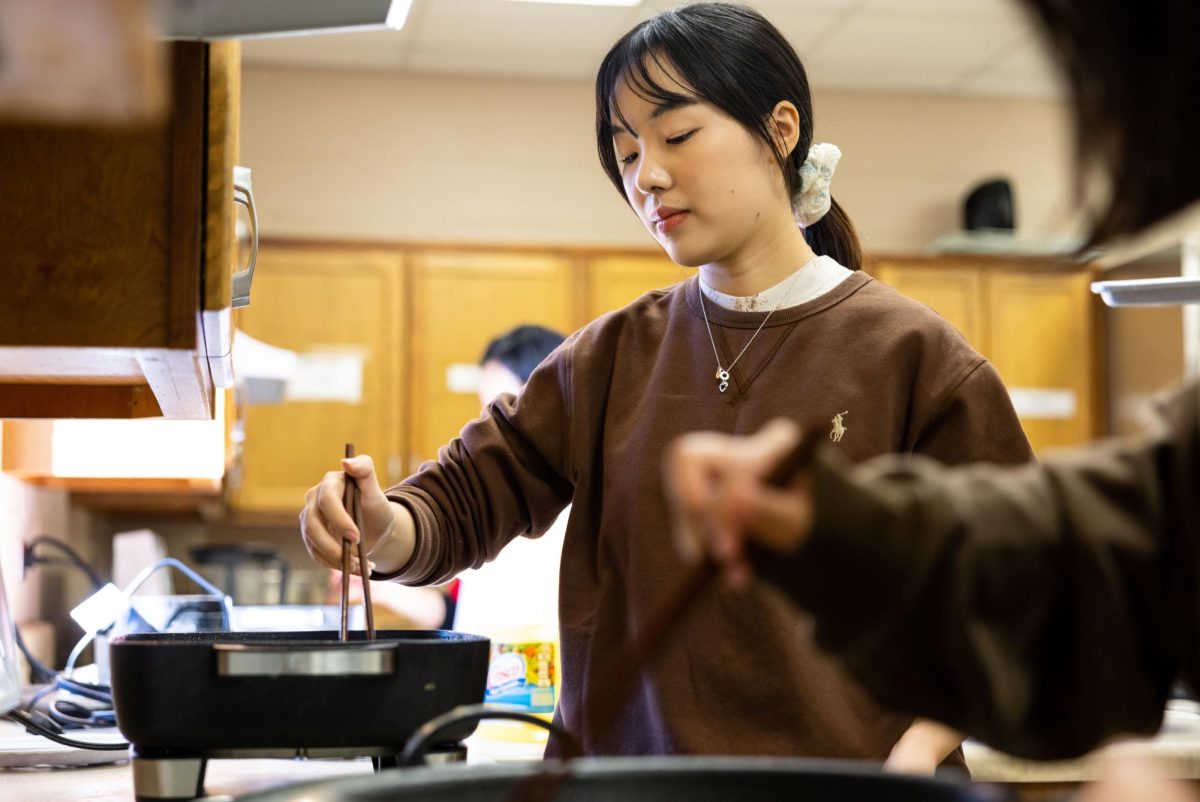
x,y
523,674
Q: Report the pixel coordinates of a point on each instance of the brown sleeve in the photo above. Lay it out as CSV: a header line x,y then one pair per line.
x,y
505,475
1041,609
974,421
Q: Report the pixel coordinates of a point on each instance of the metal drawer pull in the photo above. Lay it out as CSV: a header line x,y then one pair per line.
x,y
239,661
243,193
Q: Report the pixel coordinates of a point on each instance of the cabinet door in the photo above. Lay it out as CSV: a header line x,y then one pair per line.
x,y
1044,346
107,257
614,281
459,302
953,291
341,312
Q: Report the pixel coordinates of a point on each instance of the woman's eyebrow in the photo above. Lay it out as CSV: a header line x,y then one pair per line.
x,y
659,110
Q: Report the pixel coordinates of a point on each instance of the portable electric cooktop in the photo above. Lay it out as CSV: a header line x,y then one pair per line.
x,y
184,698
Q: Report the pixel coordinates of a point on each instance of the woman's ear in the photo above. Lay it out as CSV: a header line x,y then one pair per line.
x,y
785,124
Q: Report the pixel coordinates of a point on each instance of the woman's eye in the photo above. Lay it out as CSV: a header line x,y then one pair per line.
x,y
628,159
678,140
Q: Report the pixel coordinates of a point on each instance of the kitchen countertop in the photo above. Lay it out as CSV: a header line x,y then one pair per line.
x,y
113,782
1177,745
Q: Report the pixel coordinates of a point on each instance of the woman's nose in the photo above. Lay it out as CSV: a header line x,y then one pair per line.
x,y
652,174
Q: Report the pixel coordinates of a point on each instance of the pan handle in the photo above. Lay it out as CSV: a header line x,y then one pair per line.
x,y
239,660
438,729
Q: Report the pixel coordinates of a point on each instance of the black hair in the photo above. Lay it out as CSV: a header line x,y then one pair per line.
x,y
732,57
522,349
1134,74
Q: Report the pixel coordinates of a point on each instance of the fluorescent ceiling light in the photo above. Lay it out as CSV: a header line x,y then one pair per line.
x,y
582,2
260,19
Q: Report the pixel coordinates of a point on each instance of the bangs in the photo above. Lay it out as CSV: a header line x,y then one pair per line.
x,y
631,65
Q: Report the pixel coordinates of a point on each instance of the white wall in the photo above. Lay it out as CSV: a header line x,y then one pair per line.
x,y
416,157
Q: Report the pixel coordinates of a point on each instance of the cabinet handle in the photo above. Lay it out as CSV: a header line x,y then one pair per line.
x,y
243,193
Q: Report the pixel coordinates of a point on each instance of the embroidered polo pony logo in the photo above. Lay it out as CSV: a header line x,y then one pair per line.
x,y
839,427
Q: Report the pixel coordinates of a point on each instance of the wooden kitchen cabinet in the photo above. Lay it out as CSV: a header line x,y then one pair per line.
x,y
341,312
1044,344
459,301
956,294
118,255
1038,323
423,315
614,281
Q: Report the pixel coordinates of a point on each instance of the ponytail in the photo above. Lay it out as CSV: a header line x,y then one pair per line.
x,y
834,236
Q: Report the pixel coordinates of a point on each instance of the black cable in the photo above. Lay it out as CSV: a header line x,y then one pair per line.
x,y
37,729
70,553
97,693
41,672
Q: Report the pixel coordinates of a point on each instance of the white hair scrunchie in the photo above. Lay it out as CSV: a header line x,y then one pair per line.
x,y
815,176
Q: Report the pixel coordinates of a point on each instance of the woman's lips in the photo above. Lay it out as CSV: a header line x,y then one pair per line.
x,y
671,222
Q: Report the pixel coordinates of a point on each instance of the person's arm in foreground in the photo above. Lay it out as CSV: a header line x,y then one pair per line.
x,y
1041,609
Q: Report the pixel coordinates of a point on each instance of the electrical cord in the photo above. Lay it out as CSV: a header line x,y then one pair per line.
x,y
41,672
33,726
73,557
138,581
62,713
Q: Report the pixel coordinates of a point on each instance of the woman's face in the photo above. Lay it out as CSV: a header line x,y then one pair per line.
x,y
706,188
495,378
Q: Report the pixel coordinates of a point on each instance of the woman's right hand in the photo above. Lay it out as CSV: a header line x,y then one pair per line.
x,y
325,522
717,487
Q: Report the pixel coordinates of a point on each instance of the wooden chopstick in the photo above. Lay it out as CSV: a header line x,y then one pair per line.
x,y
363,570
348,503
608,699
353,503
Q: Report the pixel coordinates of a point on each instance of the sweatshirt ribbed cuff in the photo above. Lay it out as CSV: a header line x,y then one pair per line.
x,y
420,563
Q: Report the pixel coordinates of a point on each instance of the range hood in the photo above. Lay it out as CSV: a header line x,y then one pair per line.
x,y
256,19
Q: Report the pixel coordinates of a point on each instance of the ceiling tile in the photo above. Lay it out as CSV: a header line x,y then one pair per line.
x,y
854,75
1029,59
1025,71
519,26
771,8
1004,86
962,46
359,49
505,61
885,42
1008,10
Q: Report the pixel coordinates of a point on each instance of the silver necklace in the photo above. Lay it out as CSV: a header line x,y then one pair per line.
x,y
722,375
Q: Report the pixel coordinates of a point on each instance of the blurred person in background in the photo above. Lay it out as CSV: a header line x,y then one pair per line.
x,y
520,586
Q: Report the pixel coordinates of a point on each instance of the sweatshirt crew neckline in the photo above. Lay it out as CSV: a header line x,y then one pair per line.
x,y
751,320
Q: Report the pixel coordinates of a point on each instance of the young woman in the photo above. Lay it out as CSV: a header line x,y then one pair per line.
x,y
1044,609
704,125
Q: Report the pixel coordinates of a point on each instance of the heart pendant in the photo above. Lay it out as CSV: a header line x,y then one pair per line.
x,y
723,386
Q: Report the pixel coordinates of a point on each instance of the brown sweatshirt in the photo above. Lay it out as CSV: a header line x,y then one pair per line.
x,y
1040,609
741,676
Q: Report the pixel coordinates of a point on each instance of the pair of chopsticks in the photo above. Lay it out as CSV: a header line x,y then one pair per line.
x,y
352,503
